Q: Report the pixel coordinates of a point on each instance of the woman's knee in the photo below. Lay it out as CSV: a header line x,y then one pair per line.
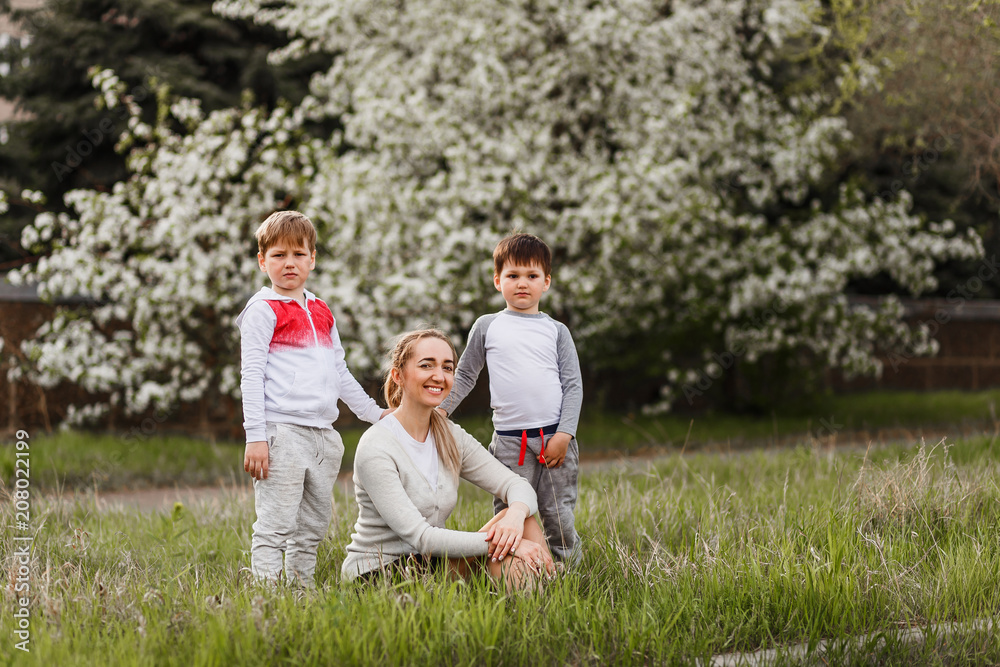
x,y
533,530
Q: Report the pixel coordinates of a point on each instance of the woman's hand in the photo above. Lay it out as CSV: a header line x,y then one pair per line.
x,y
504,531
536,557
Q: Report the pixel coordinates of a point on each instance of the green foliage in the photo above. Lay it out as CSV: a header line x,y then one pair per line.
x,y
61,140
75,460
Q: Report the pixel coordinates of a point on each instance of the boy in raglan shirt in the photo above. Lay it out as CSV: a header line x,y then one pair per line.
x,y
293,372
535,387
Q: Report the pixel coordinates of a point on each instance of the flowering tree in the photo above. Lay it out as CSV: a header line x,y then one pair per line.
x,y
650,144
165,256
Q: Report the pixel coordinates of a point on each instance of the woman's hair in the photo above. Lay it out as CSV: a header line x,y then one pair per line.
x,y
400,354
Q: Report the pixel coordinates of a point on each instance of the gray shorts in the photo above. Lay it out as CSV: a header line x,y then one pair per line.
x,y
557,489
295,503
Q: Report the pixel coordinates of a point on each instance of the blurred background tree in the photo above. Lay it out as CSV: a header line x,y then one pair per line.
x,y
931,125
686,179
711,196
179,43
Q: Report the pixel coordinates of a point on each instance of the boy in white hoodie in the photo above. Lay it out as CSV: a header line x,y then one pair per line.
x,y
293,372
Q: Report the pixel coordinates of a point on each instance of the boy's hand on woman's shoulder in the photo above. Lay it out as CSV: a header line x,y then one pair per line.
x,y
555,450
255,459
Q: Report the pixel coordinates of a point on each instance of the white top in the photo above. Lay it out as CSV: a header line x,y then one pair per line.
x,y
292,365
534,371
400,514
424,454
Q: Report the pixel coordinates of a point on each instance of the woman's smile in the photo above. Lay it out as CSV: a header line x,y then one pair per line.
x,y
429,374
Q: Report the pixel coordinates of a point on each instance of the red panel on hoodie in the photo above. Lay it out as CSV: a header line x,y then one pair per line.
x,y
292,331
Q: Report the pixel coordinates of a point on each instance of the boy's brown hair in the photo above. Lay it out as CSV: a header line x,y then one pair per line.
x,y
523,250
289,226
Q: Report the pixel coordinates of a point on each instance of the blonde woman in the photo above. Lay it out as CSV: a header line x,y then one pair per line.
x,y
406,474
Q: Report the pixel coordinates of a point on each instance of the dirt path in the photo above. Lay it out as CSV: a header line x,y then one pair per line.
x,y
154,500
804,654
162,500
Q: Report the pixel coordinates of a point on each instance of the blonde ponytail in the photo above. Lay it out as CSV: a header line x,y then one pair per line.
x,y
446,445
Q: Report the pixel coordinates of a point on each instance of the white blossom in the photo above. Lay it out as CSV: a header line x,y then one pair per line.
x,y
642,141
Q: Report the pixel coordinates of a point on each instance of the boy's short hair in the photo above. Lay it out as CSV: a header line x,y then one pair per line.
x,y
289,226
524,250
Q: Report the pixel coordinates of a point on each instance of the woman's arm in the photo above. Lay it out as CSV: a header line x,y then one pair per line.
x,y
483,470
506,530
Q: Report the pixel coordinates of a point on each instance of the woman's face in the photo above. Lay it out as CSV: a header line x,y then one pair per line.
x,y
429,373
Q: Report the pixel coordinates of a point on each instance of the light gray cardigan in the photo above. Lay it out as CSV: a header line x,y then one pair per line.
x,y
398,511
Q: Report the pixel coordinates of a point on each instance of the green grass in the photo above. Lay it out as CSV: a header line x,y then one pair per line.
x,y
81,460
685,557
842,415
77,460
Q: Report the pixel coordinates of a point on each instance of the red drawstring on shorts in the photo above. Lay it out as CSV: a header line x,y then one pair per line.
x,y
524,447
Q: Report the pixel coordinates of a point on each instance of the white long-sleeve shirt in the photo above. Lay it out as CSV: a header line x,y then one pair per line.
x,y
293,369
534,371
400,513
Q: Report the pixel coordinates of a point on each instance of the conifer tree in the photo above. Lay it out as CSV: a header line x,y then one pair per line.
x,y
61,140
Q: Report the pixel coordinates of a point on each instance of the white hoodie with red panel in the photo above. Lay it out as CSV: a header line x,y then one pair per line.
x,y
293,369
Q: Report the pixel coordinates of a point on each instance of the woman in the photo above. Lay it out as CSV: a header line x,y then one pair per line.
x,y
406,474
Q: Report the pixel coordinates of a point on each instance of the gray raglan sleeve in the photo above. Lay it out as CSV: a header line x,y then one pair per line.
x,y
470,365
571,380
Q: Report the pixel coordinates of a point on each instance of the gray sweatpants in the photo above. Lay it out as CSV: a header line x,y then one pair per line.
x,y
556,488
294,504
